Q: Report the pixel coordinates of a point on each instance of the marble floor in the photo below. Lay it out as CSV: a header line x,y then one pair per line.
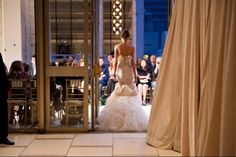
x,y
81,144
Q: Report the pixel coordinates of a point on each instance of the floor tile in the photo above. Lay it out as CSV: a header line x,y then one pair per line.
x,y
147,109
47,148
90,151
22,139
93,140
130,135
133,147
55,136
163,152
11,151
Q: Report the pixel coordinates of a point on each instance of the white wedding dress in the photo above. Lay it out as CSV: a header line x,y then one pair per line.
x,y
123,111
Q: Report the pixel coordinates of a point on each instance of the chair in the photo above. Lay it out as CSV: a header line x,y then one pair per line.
x,y
33,101
18,101
74,101
149,95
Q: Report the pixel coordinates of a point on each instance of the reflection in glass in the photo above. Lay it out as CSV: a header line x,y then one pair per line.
x,y
67,101
66,33
22,95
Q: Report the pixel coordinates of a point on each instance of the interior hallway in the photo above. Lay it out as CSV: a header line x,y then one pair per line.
x,y
83,144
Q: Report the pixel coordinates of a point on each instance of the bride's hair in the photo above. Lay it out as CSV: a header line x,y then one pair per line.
x,y
125,34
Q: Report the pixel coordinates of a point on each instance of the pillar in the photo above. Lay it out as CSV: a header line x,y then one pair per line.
x,y
138,27
100,28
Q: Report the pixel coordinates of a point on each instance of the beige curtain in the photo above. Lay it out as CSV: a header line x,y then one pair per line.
x,y
193,110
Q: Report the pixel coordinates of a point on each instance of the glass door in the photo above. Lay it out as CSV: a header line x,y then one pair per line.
x,y
68,63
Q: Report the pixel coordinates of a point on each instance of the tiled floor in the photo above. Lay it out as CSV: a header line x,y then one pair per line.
x,y
84,144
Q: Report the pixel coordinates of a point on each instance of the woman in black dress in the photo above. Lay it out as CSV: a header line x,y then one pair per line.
x,y
144,80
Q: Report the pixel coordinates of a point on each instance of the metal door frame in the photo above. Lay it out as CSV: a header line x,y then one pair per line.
x,y
45,71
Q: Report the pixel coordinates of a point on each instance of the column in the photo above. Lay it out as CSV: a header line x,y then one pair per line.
x,y
138,27
28,30
100,28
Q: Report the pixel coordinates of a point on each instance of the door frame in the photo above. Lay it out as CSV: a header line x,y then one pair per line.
x,y
45,71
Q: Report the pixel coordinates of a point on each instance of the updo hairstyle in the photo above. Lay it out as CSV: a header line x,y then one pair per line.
x,y
125,34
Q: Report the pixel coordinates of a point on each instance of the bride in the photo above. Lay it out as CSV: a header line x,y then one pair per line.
x,y
123,111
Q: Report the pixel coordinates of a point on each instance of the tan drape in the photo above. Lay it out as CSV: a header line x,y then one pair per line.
x,y
193,110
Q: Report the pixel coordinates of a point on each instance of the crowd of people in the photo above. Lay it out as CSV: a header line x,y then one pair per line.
x,y
147,72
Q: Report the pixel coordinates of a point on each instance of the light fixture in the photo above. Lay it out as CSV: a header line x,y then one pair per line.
x,y
117,16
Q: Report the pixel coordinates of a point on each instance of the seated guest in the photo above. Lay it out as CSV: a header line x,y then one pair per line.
x,y
27,69
152,68
138,62
112,81
157,68
17,72
104,75
144,80
32,67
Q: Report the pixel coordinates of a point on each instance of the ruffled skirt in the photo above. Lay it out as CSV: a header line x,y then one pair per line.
x,y
123,112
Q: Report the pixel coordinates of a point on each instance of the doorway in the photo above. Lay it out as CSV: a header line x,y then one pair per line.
x,y
66,32
66,65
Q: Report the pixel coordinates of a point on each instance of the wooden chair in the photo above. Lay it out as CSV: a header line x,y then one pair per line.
x,y
74,101
149,95
33,101
18,101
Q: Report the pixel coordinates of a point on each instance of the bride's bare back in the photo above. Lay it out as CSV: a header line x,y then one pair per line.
x,y
124,49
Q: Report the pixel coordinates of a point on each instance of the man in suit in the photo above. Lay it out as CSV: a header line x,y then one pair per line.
x,y
3,104
104,75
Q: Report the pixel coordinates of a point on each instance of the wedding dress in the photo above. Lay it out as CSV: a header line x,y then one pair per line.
x,y
123,111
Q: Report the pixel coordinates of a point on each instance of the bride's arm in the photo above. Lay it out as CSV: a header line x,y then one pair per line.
x,y
133,65
115,60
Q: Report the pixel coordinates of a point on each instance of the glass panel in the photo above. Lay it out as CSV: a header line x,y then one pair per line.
x,y
155,26
66,32
70,36
67,102
22,96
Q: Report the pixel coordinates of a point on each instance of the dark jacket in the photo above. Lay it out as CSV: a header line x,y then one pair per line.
x,y
105,72
4,85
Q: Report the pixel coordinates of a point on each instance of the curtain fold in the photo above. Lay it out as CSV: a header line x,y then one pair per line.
x,y
221,82
193,110
162,135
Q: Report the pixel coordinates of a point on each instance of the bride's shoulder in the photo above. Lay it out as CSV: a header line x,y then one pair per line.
x,y
117,46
